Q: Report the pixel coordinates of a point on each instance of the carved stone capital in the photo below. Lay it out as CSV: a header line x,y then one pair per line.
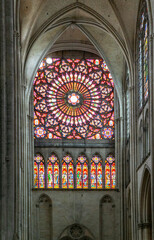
x,y
151,37
144,225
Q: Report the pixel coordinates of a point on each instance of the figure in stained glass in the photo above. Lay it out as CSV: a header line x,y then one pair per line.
x,y
110,172
67,172
53,172
96,172
82,172
39,171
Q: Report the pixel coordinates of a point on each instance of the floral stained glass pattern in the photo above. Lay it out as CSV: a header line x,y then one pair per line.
x,y
39,172
110,172
67,172
53,172
73,99
82,172
96,172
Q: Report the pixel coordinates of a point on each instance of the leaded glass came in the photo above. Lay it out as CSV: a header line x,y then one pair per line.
x,y
67,172
73,99
82,172
39,171
143,55
96,172
53,172
110,172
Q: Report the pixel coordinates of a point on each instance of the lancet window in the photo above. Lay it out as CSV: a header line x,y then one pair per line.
x,y
143,55
96,172
82,172
39,171
53,172
69,174
110,173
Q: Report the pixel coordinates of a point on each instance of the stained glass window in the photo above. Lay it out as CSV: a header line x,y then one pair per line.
x,y
82,172
67,172
73,99
53,172
68,177
39,171
110,172
96,172
143,55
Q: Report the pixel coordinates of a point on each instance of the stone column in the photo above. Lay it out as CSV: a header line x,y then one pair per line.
x,y
7,122
151,118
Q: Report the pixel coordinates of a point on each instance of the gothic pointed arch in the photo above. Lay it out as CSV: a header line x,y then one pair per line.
x,y
142,48
39,171
76,231
44,208
110,172
53,171
96,172
145,213
82,172
67,172
107,217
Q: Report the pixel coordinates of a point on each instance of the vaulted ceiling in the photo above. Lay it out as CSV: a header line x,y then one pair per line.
x,y
103,27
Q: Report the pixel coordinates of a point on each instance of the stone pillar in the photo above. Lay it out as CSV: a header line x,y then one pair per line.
x,y
133,150
7,122
144,230
151,118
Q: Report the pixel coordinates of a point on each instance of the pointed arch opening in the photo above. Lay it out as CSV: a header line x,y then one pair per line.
x,y
39,171
67,172
142,47
82,172
146,206
53,171
96,172
110,172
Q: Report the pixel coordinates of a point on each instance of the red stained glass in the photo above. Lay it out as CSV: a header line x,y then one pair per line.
x,y
99,175
85,175
82,173
56,175
113,175
39,172
79,175
110,172
41,175
70,175
96,172
50,175
53,172
35,175
64,175
67,172
93,175
107,175
73,99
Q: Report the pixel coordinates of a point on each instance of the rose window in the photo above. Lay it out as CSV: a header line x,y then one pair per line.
x,y
73,99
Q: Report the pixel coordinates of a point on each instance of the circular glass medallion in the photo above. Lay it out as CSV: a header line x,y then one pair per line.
x,y
73,99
